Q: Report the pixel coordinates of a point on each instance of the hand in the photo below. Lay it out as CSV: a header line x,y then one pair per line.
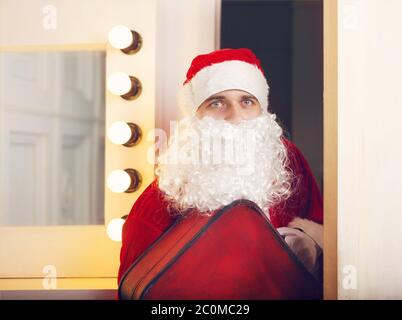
x,y
305,248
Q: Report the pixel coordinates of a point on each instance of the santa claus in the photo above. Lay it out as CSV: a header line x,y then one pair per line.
x,y
229,147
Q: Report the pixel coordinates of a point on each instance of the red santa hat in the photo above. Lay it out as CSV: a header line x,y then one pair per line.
x,y
221,70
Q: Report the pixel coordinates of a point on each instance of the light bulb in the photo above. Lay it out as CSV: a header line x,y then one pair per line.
x,y
128,180
119,181
127,134
120,37
114,229
125,39
119,132
119,83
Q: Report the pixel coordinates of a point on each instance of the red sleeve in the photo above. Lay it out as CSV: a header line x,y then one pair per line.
x,y
306,200
148,219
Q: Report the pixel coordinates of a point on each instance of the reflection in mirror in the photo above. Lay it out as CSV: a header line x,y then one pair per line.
x,y
52,123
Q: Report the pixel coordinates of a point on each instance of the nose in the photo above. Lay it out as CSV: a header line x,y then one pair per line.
x,y
235,114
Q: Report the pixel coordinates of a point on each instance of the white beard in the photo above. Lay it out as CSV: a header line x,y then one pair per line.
x,y
210,163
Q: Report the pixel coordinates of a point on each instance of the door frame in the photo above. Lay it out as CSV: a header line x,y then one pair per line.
x,y
330,149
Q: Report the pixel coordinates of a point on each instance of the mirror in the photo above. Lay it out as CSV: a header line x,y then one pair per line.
x,y
52,128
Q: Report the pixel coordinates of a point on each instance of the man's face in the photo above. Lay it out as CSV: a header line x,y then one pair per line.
x,y
230,105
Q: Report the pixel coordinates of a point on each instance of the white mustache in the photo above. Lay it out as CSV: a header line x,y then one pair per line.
x,y
215,142
210,163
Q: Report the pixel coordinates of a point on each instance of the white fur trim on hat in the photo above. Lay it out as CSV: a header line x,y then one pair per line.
x,y
227,75
313,229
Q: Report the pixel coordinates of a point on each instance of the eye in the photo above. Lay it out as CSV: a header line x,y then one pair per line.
x,y
248,102
216,104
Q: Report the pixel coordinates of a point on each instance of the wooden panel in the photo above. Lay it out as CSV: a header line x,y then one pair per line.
x,y
58,295
330,149
56,284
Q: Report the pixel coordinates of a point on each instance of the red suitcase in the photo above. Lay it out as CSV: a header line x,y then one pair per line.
x,y
234,254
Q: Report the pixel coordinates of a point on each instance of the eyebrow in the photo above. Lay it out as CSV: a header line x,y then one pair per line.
x,y
214,98
246,96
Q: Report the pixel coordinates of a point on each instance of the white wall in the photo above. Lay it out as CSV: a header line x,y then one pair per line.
x,y
370,149
74,22
184,29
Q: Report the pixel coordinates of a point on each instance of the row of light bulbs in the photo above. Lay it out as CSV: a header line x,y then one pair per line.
x,y
127,134
129,42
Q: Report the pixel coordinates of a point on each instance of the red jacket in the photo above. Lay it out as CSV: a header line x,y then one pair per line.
x,y
149,216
